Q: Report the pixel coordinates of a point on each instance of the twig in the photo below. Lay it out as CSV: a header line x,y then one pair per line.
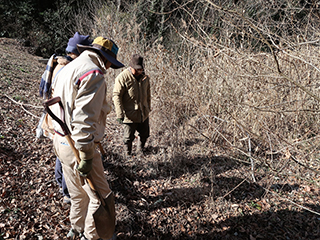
x,y
272,192
291,157
302,60
25,104
305,166
264,109
21,104
200,132
251,160
238,160
175,9
269,191
234,188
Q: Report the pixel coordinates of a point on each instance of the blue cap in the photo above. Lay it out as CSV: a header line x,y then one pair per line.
x,y
77,39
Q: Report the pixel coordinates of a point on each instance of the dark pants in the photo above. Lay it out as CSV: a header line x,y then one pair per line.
x,y
60,179
130,129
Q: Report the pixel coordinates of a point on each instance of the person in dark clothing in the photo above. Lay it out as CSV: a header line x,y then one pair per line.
x,y
132,101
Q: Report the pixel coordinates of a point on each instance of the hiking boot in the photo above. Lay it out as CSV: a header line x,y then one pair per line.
x,y
84,238
128,148
142,146
72,234
66,200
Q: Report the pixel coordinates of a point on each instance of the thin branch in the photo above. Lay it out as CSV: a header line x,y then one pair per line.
x,y
286,199
199,132
234,188
301,59
251,160
263,109
173,10
303,165
22,106
304,43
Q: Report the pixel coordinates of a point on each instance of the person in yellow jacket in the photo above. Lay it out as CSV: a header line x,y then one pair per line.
x,y
82,89
132,101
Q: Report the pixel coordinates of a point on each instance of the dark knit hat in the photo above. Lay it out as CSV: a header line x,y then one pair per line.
x,y
77,39
136,62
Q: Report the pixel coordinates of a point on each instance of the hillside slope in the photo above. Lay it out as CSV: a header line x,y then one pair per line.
x,y
203,197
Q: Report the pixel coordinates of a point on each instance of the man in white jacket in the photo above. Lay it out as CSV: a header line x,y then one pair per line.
x,y
82,89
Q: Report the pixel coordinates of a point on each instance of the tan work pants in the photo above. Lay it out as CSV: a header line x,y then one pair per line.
x,y
84,201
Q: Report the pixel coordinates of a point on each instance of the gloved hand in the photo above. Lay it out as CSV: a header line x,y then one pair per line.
x,y
120,120
85,167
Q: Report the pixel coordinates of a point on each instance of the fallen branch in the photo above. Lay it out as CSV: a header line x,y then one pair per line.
x,y
303,165
234,188
22,106
286,199
199,132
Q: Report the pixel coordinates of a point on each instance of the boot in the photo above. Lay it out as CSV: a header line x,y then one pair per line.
x,y
142,146
73,234
66,200
129,148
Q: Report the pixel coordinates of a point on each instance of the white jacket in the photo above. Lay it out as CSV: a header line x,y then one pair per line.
x,y
82,89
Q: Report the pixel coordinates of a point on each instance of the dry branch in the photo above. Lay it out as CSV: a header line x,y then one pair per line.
x,y
22,106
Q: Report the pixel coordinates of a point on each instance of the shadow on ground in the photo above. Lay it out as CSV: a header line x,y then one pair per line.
x,y
282,224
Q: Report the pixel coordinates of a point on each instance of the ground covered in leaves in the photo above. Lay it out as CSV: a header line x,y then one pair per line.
x,y
195,195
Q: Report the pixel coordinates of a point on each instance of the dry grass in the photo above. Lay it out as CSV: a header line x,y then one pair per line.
x,y
230,101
